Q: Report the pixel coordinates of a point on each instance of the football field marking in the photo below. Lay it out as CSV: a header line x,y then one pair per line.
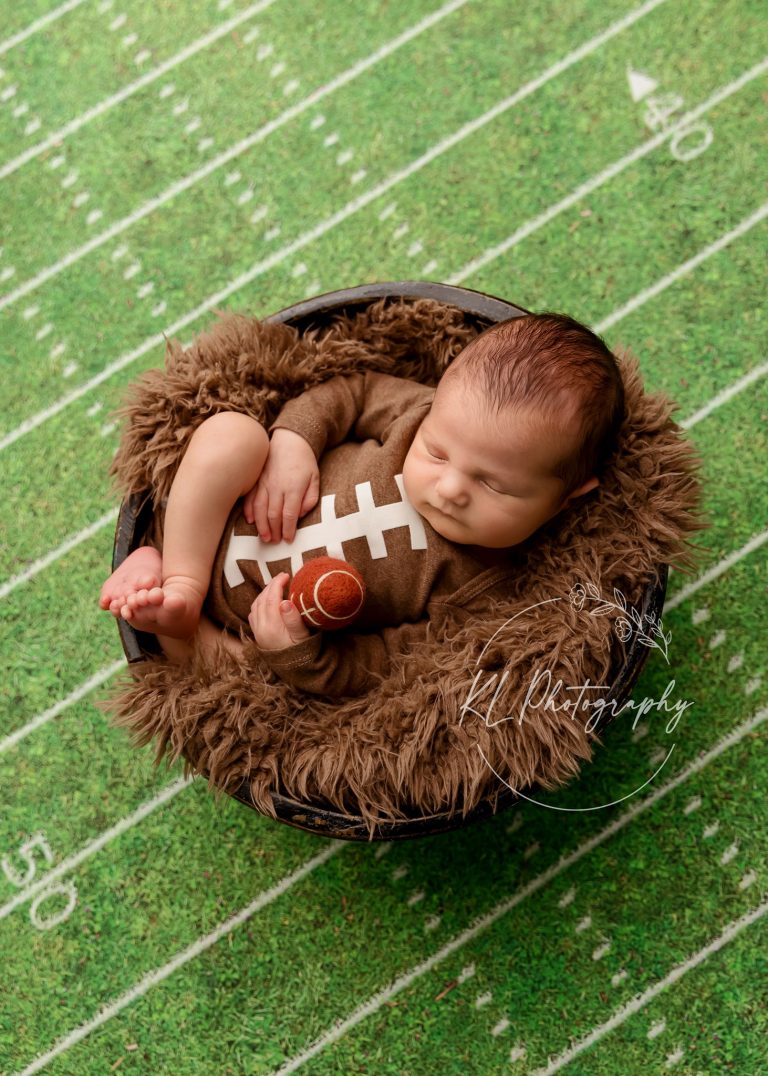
x,y
609,173
43,718
682,270
637,1003
381,997
152,978
352,207
58,136
234,151
38,24
96,844
55,554
717,570
727,393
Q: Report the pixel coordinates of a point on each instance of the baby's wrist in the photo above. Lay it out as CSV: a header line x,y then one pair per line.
x,y
282,433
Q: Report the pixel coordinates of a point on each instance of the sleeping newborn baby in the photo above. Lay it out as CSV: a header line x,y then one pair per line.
x,y
427,491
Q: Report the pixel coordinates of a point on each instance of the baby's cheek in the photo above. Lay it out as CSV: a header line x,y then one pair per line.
x,y
408,483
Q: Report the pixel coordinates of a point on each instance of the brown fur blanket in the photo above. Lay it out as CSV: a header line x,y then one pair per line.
x,y
409,748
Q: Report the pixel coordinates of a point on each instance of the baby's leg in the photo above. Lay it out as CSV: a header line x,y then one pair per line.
x,y
209,635
223,461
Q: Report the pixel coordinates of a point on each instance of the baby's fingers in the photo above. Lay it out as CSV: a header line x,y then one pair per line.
x,y
255,511
265,618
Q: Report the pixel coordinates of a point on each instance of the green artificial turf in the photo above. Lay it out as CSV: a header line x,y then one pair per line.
x,y
516,945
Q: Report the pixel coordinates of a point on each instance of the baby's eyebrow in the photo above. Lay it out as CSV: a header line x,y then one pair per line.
x,y
481,474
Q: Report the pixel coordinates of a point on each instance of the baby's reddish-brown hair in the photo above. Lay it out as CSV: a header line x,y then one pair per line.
x,y
562,370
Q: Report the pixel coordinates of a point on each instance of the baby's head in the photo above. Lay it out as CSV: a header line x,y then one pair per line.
x,y
521,424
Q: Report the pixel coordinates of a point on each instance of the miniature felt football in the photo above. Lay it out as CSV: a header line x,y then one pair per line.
x,y
328,592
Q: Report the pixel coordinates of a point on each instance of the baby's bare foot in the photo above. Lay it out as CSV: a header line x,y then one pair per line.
x,y
141,570
172,609
136,592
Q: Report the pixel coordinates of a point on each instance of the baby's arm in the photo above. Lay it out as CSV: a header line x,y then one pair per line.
x,y
341,663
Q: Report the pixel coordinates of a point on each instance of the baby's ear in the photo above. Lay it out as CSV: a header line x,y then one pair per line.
x,y
585,487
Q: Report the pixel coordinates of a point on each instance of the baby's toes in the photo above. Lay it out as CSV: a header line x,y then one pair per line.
x,y
116,605
155,596
108,595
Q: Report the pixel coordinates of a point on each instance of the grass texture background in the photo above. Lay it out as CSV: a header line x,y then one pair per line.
x,y
162,160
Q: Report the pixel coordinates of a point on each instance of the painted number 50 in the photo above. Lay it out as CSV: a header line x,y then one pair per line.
x,y
25,877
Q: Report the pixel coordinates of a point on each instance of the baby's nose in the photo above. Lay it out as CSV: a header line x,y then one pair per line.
x,y
450,488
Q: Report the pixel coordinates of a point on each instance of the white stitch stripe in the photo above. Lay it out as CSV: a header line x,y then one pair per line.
x,y
387,993
94,846
230,154
38,24
639,1002
116,98
159,974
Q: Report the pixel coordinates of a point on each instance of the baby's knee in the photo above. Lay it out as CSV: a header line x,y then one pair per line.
x,y
231,432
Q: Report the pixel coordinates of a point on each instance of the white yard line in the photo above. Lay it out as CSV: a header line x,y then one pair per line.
x,y
641,1000
38,24
233,152
682,270
152,978
95,845
608,173
716,571
722,397
55,554
325,226
87,686
642,297
57,137
375,1002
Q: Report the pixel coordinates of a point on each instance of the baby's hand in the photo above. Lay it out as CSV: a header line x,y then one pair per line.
x,y
287,488
272,628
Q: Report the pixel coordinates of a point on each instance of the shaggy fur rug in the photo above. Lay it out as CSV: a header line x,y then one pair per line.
x,y
411,747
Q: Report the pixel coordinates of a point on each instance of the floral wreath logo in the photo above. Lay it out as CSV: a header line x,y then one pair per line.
x,y
580,593
648,630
